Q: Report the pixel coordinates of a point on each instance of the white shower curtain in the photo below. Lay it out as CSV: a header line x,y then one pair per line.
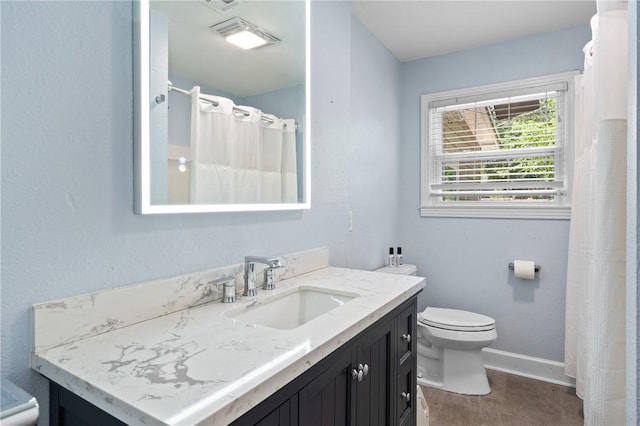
x,y
595,302
240,157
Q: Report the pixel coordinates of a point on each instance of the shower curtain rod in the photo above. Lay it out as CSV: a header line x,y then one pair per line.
x,y
214,103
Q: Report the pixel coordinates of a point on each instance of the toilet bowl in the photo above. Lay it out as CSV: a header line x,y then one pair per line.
x,y
450,346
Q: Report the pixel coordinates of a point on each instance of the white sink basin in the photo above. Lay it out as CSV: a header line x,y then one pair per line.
x,y
294,308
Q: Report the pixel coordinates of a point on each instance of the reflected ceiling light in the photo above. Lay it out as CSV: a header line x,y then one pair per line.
x,y
243,34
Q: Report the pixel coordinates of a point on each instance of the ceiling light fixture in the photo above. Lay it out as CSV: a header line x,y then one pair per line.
x,y
243,34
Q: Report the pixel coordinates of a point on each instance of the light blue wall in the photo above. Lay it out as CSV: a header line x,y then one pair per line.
x,y
284,103
67,168
373,150
465,260
67,176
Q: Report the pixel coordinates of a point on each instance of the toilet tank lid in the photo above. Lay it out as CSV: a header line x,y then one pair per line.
x,y
455,317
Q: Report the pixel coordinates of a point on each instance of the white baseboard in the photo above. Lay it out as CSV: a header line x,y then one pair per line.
x,y
527,366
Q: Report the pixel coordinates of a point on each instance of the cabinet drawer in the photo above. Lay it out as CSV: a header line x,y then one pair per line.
x,y
405,335
406,396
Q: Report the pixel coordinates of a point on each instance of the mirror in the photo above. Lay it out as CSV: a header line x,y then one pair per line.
x,y
220,128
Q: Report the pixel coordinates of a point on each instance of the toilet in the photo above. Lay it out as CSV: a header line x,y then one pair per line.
x,y
450,343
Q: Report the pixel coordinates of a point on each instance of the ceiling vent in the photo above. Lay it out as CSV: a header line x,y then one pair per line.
x,y
244,34
221,5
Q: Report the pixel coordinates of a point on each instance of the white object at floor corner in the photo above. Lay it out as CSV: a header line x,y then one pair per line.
x,y
423,409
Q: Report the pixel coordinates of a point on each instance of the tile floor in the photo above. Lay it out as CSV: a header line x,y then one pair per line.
x,y
513,400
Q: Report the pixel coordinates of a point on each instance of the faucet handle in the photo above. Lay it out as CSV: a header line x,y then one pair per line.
x,y
250,275
269,281
269,278
228,288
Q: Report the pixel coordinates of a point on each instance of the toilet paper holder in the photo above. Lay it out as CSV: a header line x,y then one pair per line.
x,y
536,268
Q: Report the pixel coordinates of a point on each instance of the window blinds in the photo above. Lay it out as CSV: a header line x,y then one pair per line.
x,y
508,147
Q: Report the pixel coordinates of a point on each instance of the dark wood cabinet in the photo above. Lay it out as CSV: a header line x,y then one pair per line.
x,y
405,339
68,409
354,390
285,415
368,381
406,358
373,352
405,397
325,401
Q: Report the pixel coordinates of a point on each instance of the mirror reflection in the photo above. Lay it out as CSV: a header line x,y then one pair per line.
x,y
227,83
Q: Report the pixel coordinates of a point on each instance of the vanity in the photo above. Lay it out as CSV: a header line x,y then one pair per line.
x,y
327,346
167,352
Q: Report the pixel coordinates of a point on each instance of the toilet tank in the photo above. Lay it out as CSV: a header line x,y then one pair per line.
x,y
405,269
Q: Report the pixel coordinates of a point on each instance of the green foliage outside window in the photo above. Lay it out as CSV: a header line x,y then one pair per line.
x,y
532,129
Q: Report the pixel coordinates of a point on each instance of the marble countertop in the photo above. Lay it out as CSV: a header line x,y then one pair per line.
x,y
198,366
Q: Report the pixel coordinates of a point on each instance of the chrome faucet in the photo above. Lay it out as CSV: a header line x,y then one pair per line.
x,y
228,288
250,273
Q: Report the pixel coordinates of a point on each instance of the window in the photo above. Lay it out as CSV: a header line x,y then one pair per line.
x,y
498,151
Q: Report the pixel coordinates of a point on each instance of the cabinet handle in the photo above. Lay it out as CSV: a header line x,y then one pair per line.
x,y
406,396
364,368
406,337
356,374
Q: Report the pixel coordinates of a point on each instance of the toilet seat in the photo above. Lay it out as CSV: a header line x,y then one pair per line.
x,y
456,320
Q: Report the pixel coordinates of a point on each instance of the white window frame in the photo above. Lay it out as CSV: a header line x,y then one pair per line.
x,y
561,209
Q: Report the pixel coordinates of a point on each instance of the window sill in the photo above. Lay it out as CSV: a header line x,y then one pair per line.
x,y
498,212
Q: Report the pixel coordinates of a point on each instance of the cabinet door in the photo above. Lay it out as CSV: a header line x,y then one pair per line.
x,y
285,415
326,400
372,393
405,397
68,409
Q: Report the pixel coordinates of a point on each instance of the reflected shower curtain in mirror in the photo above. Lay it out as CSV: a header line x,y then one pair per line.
x,y
246,157
595,302
239,154
271,164
212,129
289,163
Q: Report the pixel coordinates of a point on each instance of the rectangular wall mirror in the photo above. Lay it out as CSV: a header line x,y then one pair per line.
x,y
222,105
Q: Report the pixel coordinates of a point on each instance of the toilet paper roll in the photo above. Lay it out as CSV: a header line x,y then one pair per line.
x,y
524,269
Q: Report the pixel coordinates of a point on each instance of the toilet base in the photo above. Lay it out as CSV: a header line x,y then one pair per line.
x,y
462,372
423,381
